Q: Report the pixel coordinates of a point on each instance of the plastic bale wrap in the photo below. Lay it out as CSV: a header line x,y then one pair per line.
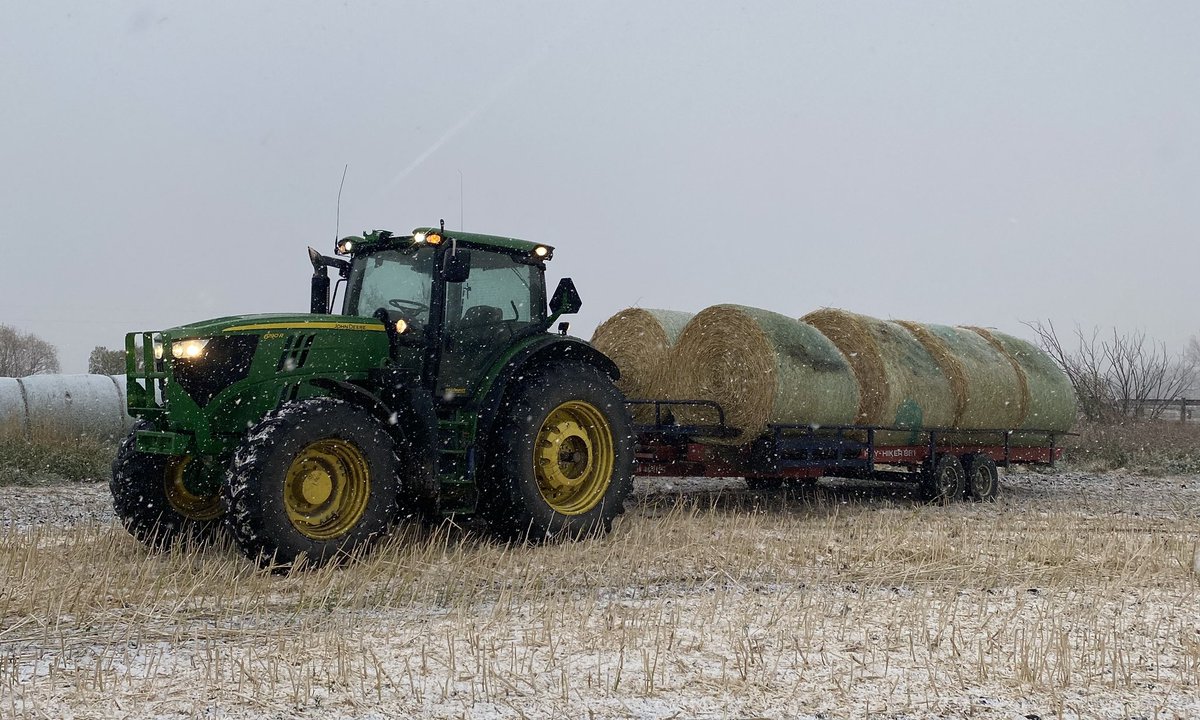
x,y
76,405
989,390
1051,404
638,340
900,383
12,408
761,367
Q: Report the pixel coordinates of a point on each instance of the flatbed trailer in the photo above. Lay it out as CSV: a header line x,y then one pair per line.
x,y
946,462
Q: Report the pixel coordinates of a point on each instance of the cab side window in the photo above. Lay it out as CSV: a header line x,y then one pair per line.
x,y
498,290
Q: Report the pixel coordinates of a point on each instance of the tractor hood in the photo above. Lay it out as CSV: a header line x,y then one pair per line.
x,y
273,323
209,379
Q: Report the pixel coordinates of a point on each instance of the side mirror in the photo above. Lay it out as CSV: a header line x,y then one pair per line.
x,y
456,265
565,300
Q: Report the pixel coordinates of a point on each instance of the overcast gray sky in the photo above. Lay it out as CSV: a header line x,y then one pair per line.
x,y
980,163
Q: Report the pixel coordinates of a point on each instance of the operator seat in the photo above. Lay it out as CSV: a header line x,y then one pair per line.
x,y
482,315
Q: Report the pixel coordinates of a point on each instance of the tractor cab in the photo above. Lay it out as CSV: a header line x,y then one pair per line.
x,y
452,305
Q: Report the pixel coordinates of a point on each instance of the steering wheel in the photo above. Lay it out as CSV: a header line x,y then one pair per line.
x,y
405,304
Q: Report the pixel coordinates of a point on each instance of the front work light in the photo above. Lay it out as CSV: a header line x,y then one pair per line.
x,y
188,349
345,246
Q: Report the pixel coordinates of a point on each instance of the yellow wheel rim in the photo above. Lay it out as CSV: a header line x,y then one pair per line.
x,y
184,501
326,489
573,457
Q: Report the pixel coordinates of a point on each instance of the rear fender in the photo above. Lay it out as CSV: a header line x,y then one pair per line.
x,y
405,410
545,349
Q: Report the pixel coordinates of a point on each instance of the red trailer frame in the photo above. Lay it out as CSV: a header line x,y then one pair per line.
x,y
666,448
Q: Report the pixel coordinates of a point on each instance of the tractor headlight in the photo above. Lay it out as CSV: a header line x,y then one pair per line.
x,y
157,343
188,349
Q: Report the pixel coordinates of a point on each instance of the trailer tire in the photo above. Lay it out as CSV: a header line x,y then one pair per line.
x,y
315,480
945,482
560,463
983,480
153,504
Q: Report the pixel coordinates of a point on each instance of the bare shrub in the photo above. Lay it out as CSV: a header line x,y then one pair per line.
x,y
1119,376
24,354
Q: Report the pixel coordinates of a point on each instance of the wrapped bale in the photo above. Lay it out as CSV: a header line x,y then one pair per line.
x,y
76,405
638,341
762,367
12,408
989,389
900,383
1050,403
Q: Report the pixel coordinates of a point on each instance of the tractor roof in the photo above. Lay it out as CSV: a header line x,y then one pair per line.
x,y
371,241
496,241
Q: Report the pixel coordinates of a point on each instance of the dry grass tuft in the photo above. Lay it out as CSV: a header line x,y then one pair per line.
x,y
53,457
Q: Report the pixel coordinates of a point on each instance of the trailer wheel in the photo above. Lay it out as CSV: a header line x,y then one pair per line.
x,y
945,483
151,497
983,481
561,461
316,479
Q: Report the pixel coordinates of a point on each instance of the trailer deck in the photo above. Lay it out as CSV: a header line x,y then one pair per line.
x,y
796,451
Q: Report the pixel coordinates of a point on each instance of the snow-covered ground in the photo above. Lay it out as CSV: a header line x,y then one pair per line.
x,y
1074,595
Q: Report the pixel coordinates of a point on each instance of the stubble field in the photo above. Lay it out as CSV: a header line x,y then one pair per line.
x,y
1074,595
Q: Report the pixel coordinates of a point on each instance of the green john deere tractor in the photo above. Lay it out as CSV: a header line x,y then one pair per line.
x,y
438,389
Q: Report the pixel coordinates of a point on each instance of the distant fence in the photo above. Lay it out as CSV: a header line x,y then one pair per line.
x,y
1181,409
40,405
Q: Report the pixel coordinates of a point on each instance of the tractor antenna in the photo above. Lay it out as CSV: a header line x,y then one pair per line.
x,y
337,228
460,202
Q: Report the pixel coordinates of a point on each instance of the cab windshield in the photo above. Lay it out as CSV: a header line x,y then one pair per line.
x,y
399,281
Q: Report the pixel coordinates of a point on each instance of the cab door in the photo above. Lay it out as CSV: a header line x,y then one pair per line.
x,y
501,301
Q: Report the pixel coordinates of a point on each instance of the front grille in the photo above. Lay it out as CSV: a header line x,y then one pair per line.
x,y
226,360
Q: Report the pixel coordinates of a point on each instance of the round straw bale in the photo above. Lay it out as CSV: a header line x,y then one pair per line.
x,y
901,381
850,334
986,386
638,340
1051,398
761,367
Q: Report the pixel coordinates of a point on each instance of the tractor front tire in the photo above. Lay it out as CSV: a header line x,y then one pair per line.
x,y
561,459
153,502
316,479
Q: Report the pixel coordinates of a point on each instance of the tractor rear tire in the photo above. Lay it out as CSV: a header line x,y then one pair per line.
x,y
314,481
945,482
983,480
153,503
561,461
